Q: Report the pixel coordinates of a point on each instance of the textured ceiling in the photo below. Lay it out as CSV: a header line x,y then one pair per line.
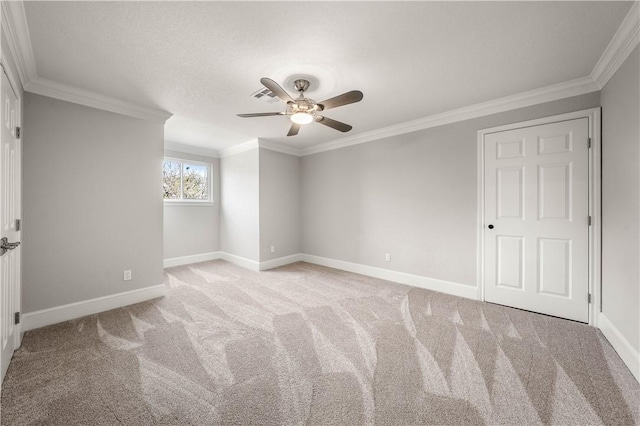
x,y
202,60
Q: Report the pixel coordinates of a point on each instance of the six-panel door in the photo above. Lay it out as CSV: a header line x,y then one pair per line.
x,y
536,201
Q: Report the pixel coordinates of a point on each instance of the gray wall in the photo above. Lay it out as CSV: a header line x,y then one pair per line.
x,y
620,204
194,229
279,204
239,210
91,202
413,196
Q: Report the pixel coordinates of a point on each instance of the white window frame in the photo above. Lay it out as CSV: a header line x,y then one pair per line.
x,y
186,202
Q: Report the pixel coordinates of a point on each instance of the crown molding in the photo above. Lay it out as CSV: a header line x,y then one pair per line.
x,y
621,45
619,48
17,34
272,146
554,92
190,149
237,149
53,89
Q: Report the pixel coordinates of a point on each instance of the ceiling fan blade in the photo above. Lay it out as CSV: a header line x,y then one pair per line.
x,y
334,124
260,114
295,128
340,100
275,88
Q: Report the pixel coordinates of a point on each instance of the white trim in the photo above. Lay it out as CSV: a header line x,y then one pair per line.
x,y
71,311
20,45
53,89
595,199
18,39
240,261
614,55
231,258
13,82
280,261
595,211
551,93
237,149
620,47
186,203
190,149
554,92
448,287
272,146
480,217
627,353
194,258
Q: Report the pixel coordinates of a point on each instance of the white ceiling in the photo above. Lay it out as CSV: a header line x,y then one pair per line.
x,y
202,60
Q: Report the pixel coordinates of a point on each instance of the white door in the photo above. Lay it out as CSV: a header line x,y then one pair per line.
x,y
9,213
536,235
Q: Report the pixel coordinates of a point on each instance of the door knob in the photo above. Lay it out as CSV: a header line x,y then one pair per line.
x,y
5,245
490,226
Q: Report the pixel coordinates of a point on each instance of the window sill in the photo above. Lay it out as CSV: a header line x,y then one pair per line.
x,y
189,203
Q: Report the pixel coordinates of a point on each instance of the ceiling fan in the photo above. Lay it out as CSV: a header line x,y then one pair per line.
x,y
305,110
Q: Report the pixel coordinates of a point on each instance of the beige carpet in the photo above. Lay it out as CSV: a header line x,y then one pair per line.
x,y
305,344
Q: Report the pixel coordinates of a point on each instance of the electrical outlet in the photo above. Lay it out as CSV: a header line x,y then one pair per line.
x,y
273,249
126,276
387,257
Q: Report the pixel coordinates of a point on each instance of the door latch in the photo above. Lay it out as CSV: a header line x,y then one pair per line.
x,y
5,245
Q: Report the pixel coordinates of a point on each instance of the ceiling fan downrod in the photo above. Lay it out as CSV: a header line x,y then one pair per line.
x,y
301,85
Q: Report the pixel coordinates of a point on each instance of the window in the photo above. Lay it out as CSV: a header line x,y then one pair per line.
x,y
186,181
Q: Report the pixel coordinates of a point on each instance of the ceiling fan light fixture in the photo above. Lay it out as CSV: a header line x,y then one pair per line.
x,y
305,110
301,117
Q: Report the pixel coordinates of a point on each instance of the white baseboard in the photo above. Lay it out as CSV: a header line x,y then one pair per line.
x,y
628,353
240,261
449,287
232,258
71,311
281,261
195,258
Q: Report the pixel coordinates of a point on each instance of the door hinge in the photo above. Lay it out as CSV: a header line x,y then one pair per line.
x,y
17,132
17,224
589,220
589,298
16,318
588,143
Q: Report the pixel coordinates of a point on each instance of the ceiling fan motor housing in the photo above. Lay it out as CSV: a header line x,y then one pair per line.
x,y
301,85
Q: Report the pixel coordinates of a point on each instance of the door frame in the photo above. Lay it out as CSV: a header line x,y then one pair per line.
x,y
595,201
